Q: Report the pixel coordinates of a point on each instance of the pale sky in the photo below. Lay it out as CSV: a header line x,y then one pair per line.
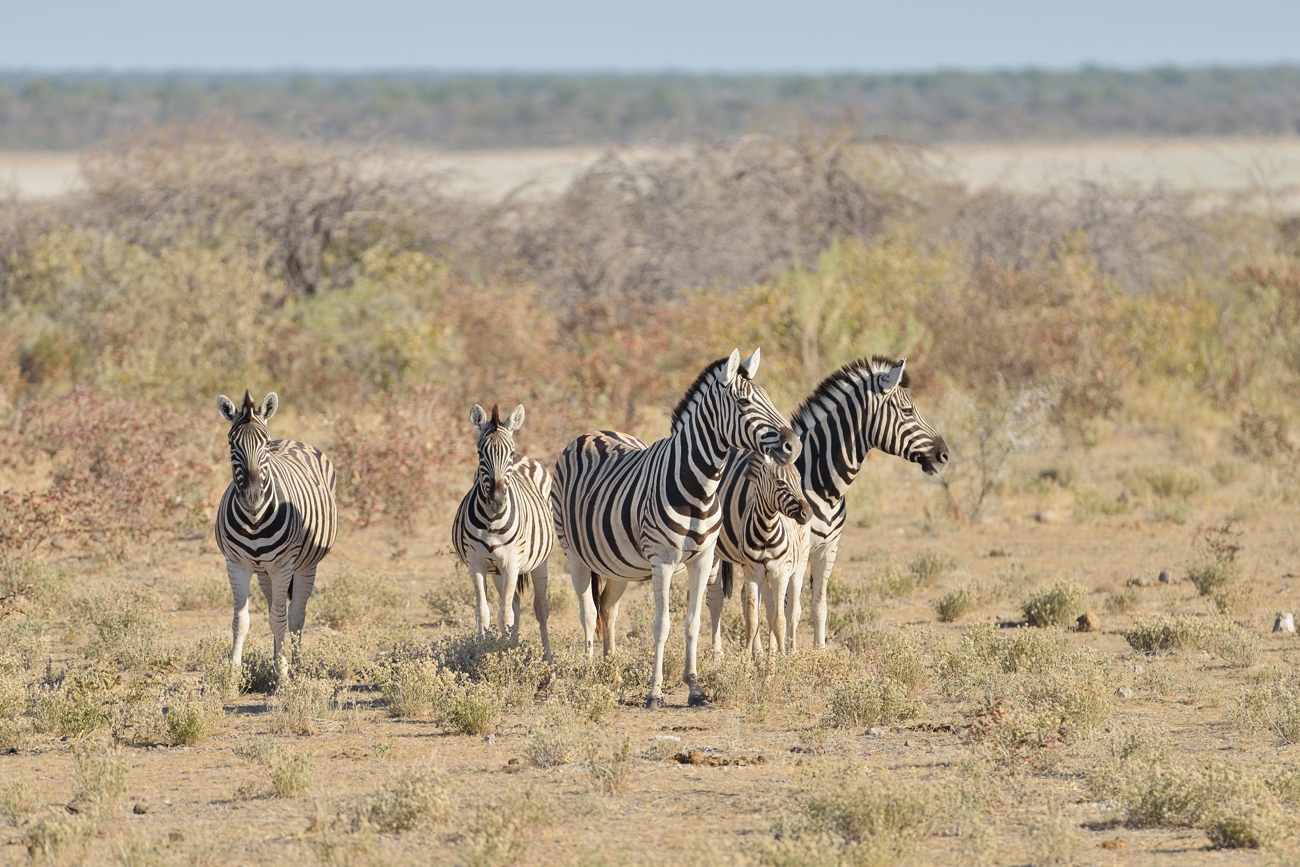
x,y
595,35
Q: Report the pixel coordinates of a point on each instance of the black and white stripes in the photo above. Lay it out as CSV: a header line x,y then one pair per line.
x,y
863,405
629,512
277,520
504,526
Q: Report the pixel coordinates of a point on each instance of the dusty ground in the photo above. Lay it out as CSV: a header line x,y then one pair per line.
x,y
1262,166
206,805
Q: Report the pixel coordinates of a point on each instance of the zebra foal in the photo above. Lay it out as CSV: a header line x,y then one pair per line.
x,y
768,537
625,511
504,526
276,520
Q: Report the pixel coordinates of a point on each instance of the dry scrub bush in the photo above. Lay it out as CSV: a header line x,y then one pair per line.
x,y
126,630
867,703
956,604
554,739
1214,633
609,764
300,704
192,716
1056,840
1272,704
351,599
413,799
1065,689
1057,606
98,779
290,777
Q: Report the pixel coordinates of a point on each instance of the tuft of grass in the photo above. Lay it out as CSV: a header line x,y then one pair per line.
x,y
59,839
1172,481
17,801
414,799
1273,704
99,778
1091,502
192,718
73,703
554,741
1122,600
300,702
1215,634
1165,512
352,599
290,776
1211,576
1060,605
204,594
956,604
472,708
259,750
929,565
1055,840
126,629
609,764
452,605
869,703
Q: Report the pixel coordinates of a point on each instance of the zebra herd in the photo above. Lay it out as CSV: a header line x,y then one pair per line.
x,y
734,483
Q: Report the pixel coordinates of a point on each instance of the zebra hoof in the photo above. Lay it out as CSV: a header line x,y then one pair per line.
x,y
697,699
654,702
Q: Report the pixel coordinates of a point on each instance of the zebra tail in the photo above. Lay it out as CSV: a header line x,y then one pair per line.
x,y
595,597
728,580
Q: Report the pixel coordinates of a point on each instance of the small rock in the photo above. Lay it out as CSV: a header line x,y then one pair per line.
x,y
875,732
1165,577
1285,622
491,739
139,809
1046,516
1137,669
1124,692
1088,622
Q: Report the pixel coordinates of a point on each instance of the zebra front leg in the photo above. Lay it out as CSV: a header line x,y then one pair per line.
x,y
716,597
778,584
542,608
822,561
278,614
301,586
583,579
240,577
697,573
608,605
661,579
482,613
749,604
507,581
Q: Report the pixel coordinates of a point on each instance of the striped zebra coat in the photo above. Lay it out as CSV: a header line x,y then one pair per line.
x,y
626,511
765,531
504,526
277,520
861,406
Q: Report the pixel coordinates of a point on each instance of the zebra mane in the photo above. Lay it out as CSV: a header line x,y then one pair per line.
x,y
753,467
849,372
695,388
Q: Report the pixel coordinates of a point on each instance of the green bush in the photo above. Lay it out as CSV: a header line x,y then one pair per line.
x,y
1058,606
869,703
956,604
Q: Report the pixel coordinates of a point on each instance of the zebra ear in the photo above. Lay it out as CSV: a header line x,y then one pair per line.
x,y
226,407
516,419
749,367
477,416
270,404
890,379
733,365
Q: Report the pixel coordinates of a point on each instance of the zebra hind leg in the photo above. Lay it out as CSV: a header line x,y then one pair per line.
x,y
240,578
542,608
300,588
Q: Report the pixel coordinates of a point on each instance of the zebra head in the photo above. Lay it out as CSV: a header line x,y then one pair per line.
x,y
897,427
496,451
778,489
249,436
742,414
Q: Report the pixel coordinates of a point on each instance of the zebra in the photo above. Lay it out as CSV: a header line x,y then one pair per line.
x,y
861,406
625,511
504,525
768,537
277,519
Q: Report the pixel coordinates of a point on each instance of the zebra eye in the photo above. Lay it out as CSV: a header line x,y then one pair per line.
x,y
744,402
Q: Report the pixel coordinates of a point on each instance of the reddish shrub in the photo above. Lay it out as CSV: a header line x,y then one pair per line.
x,y
124,471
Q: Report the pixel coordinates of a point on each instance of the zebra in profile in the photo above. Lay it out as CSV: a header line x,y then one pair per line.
x,y
625,511
504,525
861,406
768,537
277,520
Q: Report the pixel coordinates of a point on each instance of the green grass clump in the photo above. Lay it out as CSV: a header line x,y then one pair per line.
x,y
1122,600
1273,704
1059,605
956,604
1092,502
1172,481
869,703
1211,576
1214,634
353,599
412,800
192,718
929,565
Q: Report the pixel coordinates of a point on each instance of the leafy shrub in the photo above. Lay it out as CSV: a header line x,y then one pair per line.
x,y
1055,841
1122,600
258,750
1016,737
472,708
1058,606
73,703
1211,576
191,718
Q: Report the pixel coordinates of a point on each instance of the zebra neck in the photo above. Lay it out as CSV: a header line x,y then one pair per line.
x,y
264,513
703,450
834,434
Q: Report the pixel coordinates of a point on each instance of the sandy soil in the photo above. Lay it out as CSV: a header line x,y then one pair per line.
x,y
204,805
